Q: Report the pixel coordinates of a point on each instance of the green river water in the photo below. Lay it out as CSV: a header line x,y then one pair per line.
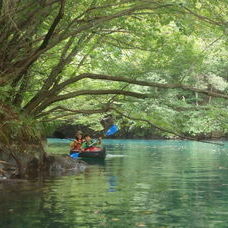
x,y
154,183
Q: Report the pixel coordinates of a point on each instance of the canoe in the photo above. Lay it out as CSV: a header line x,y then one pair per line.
x,y
92,152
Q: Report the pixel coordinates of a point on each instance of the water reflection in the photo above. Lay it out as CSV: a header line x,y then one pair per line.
x,y
140,184
112,183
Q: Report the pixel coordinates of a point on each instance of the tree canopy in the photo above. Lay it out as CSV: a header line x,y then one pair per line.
x,y
161,62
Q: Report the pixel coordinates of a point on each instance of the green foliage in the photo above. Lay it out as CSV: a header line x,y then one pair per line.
x,y
169,42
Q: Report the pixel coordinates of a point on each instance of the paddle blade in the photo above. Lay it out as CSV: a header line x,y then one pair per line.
x,y
112,130
74,155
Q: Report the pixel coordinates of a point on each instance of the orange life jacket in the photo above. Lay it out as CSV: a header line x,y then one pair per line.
x,y
77,144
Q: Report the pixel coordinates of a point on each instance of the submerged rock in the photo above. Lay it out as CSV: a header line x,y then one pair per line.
x,y
63,164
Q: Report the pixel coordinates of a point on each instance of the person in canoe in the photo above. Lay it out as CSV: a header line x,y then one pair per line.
x,y
89,142
76,145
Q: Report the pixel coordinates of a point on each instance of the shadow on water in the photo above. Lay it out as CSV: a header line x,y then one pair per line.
x,y
94,161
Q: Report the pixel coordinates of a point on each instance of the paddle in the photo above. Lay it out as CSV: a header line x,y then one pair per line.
x,y
74,155
111,131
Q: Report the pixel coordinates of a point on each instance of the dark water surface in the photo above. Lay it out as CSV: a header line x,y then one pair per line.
x,y
152,183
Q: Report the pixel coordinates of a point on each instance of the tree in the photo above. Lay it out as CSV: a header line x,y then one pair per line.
x,y
57,55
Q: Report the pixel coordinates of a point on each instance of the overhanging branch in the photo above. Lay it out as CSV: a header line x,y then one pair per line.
x,y
53,99
139,82
73,111
163,129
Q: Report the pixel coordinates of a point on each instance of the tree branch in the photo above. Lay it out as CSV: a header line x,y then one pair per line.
x,y
53,78
108,108
203,17
162,129
53,26
72,111
53,99
23,65
139,82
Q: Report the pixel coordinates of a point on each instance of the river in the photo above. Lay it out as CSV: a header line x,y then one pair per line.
x,y
142,183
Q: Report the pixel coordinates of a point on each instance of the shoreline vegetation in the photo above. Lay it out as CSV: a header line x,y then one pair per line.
x,y
67,62
68,131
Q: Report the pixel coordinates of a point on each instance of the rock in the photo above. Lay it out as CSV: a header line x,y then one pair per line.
x,y
51,165
57,165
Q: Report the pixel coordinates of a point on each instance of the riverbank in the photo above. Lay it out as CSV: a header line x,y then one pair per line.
x,y
29,166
